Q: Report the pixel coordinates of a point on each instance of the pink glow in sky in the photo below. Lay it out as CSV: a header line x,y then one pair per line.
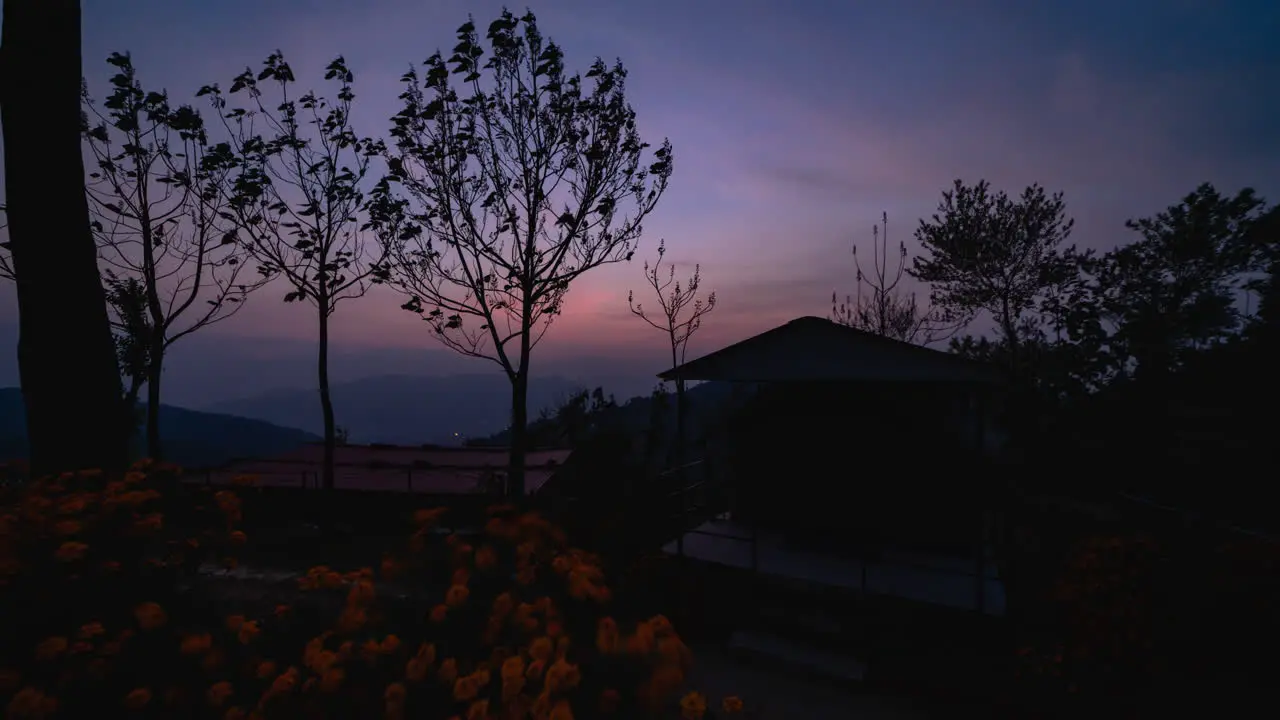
x,y
795,124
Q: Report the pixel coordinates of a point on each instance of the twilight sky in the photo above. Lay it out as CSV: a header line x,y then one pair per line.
x,y
795,124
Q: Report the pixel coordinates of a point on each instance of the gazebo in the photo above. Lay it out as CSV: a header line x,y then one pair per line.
x,y
853,440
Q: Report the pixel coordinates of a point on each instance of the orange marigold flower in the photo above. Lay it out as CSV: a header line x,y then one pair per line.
x,y
731,704
562,676
456,596
609,700
415,671
439,613
362,593
196,644
66,527
285,683
479,710
150,616
541,649
137,698
31,703
693,706
466,688
332,679
70,550
607,638
395,693
248,632
390,644
352,619
561,711
218,693
486,558
51,648
448,672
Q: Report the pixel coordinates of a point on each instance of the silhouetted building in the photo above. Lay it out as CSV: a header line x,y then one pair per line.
x,y
854,441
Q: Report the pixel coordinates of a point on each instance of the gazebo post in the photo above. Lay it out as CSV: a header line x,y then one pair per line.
x,y
980,417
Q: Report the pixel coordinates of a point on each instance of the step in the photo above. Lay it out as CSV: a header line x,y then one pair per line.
x,y
806,622
798,656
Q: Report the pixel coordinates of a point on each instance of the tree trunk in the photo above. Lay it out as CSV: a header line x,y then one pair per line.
x,y
154,368
66,354
519,420
519,432
679,438
326,402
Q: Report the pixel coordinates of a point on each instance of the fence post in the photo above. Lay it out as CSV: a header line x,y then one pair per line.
x,y
755,547
981,568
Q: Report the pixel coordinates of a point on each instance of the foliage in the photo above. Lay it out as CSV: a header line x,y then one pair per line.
x,y
518,627
1136,612
127,298
515,186
155,203
1175,290
985,251
878,307
296,197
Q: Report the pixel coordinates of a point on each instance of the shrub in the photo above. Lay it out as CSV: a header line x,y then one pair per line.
x,y
108,612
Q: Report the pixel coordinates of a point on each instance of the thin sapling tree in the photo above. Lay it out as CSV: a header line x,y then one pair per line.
x,y
296,199
515,181
680,316
170,265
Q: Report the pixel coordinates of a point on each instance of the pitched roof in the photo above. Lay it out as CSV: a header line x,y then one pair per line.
x,y
813,349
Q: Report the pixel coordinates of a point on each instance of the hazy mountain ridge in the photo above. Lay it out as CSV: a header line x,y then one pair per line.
x,y
410,409
192,438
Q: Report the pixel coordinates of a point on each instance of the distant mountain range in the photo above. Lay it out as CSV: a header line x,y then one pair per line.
x,y
192,438
406,409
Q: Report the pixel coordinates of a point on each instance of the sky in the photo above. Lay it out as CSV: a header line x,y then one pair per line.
x,y
795,125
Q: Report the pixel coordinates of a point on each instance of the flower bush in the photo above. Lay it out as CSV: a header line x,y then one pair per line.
x,y
106,612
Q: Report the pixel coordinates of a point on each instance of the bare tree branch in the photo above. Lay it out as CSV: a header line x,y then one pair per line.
x,y
673,300
879,307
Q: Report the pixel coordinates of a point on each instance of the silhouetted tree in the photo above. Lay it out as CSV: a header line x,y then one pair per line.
x,y
879,307
1265,235
66,356
297,196
156,209
515,188
677,324
128,300
985,251
574,417
1177,288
